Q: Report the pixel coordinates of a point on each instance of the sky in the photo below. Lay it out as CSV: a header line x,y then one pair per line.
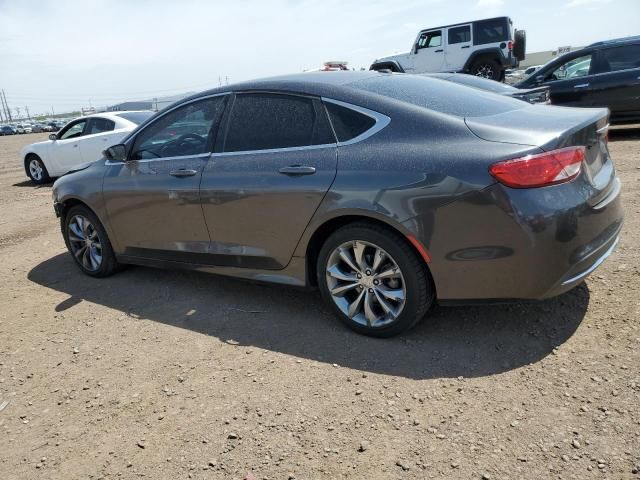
x,y
67,54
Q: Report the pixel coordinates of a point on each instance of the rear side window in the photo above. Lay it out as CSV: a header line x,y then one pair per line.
x,y
620,58
347,123
100,125
441,96
490,31
264,121
459,35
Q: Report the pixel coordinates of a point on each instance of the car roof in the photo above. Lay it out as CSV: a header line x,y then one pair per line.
x,y
616,41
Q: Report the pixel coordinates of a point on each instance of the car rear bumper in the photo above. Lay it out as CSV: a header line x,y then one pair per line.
x,y
506,244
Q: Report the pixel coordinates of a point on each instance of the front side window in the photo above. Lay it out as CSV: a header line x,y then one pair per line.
x,y
620,58
430,39
574,68
264,121
459,35
187,130
73,131
100,125
491,31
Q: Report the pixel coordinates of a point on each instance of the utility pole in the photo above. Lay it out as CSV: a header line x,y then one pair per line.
x,y
17,113
27,109
6,106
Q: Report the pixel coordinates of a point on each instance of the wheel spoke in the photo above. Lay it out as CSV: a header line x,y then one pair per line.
x,y
339,291
388,309
80,252
378,258
338,274
369,314
358,250
354,307
396,295
391,272
346,258
76,230
86,258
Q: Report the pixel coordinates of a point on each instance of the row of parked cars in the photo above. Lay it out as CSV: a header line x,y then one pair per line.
x,y
22,128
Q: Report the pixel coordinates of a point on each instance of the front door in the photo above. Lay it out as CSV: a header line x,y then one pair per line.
x,y
66,150
429,52
152,199
98,137
458,46
570,82
276,161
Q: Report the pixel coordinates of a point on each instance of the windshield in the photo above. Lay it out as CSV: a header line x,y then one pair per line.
x,y
136,117
443,97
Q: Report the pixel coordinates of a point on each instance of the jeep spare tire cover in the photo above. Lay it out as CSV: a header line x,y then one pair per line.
x,y
520,44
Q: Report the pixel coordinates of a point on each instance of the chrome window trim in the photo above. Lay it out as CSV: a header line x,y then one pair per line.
x,y
147,160
274,150
381,121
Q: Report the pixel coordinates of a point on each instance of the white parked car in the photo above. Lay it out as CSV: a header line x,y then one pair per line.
x,y
27,128
20,128
80,141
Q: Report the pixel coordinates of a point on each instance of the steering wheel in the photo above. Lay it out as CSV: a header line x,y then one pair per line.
x,y
181,142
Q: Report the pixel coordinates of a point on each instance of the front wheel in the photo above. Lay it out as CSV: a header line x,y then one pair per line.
x,y
36,170
486,68
373,280
88,243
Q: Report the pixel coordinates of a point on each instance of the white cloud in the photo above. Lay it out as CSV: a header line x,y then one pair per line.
x,y
585,3
489,3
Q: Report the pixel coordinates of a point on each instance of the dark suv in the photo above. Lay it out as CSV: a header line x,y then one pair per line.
x,y
605,74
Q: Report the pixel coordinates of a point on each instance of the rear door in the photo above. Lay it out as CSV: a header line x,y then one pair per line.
x,y
616,83
273,166
97,137
458,46
430,52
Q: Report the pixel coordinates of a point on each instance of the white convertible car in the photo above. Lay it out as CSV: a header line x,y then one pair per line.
x,y
80,141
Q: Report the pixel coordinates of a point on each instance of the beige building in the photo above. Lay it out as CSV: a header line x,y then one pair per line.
x,y
540,58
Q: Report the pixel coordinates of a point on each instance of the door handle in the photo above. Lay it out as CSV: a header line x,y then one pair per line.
x,y
441,50
183,172
75,146
582,85
297,170
466,46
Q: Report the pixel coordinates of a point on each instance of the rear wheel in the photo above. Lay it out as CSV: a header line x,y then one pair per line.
x,y
36,170
373,280
88,243
486,68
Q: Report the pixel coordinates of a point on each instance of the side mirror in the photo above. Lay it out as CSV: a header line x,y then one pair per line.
x,y
116,153
53,137
539,79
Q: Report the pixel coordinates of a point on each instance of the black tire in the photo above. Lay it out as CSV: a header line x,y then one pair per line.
x,y
36,169
520,44
419,290
108,264
486,68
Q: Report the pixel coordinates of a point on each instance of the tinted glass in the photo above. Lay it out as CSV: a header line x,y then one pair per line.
x,y
136,117
73,131
491,31
620,58
574,68
100,125
430,39
261,121
348,123
459,34
443,97
187,130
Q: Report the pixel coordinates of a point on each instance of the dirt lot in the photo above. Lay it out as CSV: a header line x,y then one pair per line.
x,y
169,375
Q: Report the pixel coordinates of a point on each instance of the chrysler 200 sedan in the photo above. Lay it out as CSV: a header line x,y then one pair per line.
x,y
388,192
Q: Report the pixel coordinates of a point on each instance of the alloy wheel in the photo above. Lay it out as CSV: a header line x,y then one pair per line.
x,y
36,170
485,71
85,243
365,283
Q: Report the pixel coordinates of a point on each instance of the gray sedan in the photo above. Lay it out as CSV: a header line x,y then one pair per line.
x,y
387,192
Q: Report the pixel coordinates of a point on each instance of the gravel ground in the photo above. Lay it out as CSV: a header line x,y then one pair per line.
x,y
169,375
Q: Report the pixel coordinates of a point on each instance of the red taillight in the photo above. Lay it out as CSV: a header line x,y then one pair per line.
x,y
541,170
510,45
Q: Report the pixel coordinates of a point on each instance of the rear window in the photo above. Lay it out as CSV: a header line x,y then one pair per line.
x,y
620,58
491,31
440,96
347,123
136,117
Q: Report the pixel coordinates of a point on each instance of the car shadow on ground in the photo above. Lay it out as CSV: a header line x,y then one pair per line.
x,y
453,341
624,134
29,183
